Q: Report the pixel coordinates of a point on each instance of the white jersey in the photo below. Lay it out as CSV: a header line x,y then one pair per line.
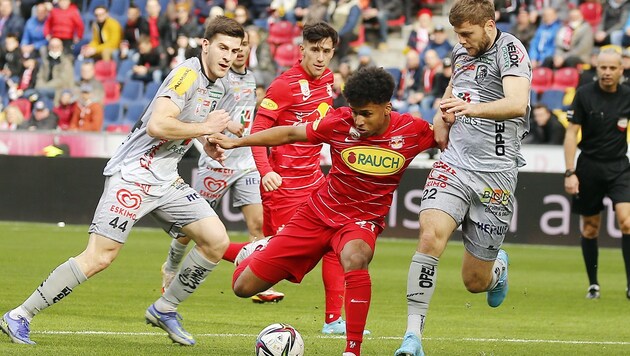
x,y
240,102
152,162
482,144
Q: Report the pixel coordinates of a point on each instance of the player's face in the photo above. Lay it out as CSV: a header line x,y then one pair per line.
x,y
219,55
316,56
609,71
243,54
371,119
475,38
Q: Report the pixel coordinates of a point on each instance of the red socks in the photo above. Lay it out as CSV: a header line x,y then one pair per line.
x,y
332,275
357,303
232,251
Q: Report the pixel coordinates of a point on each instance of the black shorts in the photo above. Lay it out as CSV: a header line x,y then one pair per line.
x,y
599,179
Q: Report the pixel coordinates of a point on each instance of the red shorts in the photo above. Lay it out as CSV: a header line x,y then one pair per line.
x,y
297,248
278,212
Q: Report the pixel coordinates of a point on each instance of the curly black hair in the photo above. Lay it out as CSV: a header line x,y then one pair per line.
x,y
369,85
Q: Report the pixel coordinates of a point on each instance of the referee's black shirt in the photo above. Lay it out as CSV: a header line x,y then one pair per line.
x,y
604,119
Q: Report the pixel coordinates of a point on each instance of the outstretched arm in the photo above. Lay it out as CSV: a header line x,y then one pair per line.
x,y
274,136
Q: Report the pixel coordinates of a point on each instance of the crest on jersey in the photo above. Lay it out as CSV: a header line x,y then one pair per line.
x,y
329,89
622,124
396,142
306,91
481,74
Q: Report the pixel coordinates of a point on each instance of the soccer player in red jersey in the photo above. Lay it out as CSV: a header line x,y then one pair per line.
x,y
371,146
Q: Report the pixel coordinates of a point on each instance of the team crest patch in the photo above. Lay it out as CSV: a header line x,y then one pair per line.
x,y
329,89
182,80
396,142
481,74
622,124
306,91
269,104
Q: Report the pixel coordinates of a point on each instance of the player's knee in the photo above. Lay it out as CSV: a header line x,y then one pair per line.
x,y
430,244
475,283
624,225
242,289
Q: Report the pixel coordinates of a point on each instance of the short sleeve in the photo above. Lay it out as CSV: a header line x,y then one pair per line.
x,y
277,99
513,59
576,112
323,130
179,85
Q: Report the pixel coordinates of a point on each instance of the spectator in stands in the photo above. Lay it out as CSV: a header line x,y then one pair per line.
x,y
421,32
182,52
365,59
379,12
242,16
33,38
438,42
135,25
10,22
260,61
610,29
338,99
65,109
522,28
543,44
11,57
150,64
183,25
433,65
505,13
537,9
24,86
159,26
230,8
409,94
545,128
201,8
318,11
588,71
88,113
12,119
346,19
299,11
574,43
64,23
106,36
440,82
56,70
43,118
87,76
259,11
282,10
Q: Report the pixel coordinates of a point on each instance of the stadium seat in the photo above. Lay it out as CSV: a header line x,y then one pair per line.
x,y
150,90
360,40
112,91
119,8
428,114
88,13
592,12
533,97
397,74
542,78
280,32
132,91
112,113
134,112
105,70
118,128
123,72
553,99
286,55
564,78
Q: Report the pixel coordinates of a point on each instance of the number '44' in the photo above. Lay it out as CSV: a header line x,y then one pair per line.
x,y
122,226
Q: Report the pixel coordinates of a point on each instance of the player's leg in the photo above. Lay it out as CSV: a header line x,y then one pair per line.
x,y
174,257
357,242
246,197
589,227
622,210
334,285
253,214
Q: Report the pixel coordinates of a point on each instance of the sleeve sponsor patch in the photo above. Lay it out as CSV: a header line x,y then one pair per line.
x,y
182,80
269,104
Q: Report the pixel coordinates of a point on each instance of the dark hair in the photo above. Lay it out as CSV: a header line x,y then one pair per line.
x,y
101,7
222,25
319,31
369,85
542,106
475,12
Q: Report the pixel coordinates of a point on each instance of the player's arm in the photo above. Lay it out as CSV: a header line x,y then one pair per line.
x,y
571,183
164,122
275,136
514,104
442,121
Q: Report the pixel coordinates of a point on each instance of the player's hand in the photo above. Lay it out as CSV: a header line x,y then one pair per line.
x,y
236,128
222,141
572,185
440,133
455,107
271,181
214,151
217,121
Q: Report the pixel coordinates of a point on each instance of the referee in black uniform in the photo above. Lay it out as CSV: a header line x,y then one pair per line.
x,y
601,109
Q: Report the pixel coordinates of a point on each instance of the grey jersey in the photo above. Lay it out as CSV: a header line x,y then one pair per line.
x,y
150,161
482,144
240,102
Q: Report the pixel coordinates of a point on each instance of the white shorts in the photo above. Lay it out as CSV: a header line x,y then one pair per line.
x,y
243,184
481,202
123,203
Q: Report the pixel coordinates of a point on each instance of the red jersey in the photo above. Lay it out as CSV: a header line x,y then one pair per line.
x,y
365,171
294,98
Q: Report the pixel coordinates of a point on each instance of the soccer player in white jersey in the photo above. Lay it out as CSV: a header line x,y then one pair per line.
x,y
484,116
141,179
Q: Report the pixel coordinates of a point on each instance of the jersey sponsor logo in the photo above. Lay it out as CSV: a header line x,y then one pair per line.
x,y
375,161
182,80
128,199
492,229
495,196
499,141
316,124
214,185
512,55
269,104
329,89
481,74
622,124
322,109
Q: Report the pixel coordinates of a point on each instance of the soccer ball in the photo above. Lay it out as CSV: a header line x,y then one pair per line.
x,y
279,340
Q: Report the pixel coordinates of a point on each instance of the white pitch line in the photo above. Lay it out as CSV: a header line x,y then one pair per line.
x,y
471,339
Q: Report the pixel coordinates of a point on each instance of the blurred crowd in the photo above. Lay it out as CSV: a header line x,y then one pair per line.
x,y
93,65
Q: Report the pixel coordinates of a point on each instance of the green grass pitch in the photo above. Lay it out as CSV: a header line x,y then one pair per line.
x,y
545,312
